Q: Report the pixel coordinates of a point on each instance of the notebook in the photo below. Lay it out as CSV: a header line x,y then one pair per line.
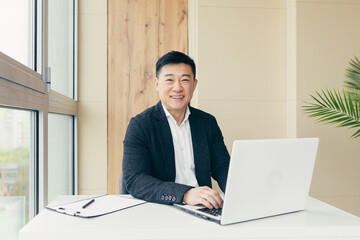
x,y
266,178
97,206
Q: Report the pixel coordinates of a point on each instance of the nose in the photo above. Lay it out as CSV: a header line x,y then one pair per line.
x,y
177,86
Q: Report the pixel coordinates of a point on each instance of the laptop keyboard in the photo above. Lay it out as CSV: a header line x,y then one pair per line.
x,y
215,212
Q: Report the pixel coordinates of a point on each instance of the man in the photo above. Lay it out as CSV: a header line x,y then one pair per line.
x,y
172,150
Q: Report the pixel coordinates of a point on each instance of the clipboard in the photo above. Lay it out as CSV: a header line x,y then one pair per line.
x,y
96,206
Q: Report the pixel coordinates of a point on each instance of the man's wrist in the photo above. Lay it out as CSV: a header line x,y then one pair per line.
x,y
185,195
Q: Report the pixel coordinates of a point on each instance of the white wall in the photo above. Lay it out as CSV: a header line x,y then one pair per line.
x,y
327,38
92,97
241,62
259,60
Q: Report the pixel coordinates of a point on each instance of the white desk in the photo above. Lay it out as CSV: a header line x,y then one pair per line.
x,y
155,221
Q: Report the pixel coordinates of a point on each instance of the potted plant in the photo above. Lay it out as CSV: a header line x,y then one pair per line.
x,y
340,108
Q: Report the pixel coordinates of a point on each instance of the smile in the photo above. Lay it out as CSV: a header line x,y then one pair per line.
x,y
177,97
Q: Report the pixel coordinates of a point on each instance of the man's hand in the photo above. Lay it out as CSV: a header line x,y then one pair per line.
x,y
205,196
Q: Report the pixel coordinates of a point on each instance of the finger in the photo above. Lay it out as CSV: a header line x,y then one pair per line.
x,y
206,203
216,196
212,198
213,202
219,200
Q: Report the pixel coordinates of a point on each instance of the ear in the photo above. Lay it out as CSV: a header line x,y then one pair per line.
x,y
195,83
156,83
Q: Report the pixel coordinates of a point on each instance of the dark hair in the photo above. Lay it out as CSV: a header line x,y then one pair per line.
x,y
174,57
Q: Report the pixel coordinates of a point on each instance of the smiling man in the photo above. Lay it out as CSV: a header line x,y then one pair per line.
x,y
172,150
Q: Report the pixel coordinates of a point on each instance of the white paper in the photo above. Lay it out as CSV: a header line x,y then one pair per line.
x,y
102,205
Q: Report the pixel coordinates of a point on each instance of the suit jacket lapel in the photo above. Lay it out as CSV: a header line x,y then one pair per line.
x,y
166,142
198,135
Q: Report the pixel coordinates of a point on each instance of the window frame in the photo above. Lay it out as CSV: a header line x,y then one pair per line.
x,y
24,88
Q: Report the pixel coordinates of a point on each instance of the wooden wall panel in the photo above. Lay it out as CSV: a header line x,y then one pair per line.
x,y
139,32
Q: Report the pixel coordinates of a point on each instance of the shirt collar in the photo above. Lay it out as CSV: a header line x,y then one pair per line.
x,y
167,114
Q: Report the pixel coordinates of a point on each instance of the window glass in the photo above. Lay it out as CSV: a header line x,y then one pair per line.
x,y
60,45
16,180
16,27
60,160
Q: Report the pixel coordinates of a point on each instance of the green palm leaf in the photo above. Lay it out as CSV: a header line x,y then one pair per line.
x,y
334,107
353,73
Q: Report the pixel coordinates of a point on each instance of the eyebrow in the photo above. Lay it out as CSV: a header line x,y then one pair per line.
x,y
171,74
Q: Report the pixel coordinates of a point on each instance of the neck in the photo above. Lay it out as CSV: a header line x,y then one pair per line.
x,y
179,117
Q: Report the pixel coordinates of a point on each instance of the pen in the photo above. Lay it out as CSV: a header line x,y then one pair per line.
x,y
88,203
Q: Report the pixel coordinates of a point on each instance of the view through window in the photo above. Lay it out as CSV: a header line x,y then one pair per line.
x,y
60,162
16,164
16,27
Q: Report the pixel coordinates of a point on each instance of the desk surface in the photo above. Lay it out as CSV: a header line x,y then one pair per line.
x,y
156,221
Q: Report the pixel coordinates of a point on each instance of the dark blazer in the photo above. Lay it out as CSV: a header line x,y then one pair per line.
x,y
149,159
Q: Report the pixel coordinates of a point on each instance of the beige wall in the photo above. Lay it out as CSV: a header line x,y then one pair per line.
x,y
241,63
327,38
92,97
259,60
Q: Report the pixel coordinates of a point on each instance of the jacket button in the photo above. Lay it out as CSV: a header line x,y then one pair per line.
x,y
162,197
166,198
173,199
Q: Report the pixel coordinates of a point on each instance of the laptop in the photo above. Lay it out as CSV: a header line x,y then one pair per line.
x,y
266,178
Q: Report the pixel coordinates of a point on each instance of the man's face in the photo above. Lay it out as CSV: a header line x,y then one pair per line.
x,y
176,85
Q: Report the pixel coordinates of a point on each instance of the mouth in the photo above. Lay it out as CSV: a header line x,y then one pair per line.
x,y
177,97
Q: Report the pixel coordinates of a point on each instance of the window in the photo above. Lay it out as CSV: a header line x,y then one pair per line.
x,y
61,134
16,20
61,45
37,118
16,169
60,166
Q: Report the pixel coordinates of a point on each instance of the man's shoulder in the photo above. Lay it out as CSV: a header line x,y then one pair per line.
x,y
200,113
149,114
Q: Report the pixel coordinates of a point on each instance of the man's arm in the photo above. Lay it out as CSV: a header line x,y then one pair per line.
x,y
220,158
138,170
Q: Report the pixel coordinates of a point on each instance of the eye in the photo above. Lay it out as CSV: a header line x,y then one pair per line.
x,y
185,80
168,80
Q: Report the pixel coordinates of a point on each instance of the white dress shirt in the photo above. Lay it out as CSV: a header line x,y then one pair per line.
x,y
183,148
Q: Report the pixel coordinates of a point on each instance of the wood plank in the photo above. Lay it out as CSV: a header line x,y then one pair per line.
x,y
61,104
173,28
18,73
15,95
139,32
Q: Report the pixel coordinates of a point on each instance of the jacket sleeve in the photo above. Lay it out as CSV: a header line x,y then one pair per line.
x,y
219,156
138,173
